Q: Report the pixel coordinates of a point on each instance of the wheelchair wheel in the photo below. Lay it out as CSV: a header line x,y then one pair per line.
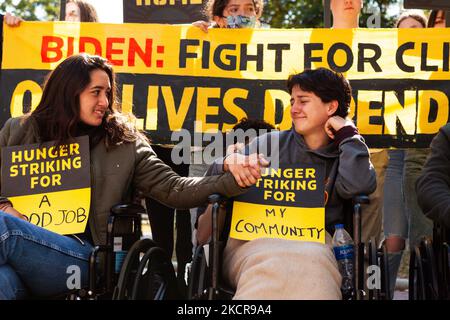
x,y
374,294
431,280
385,293
130,265
197,275
416,276
155,278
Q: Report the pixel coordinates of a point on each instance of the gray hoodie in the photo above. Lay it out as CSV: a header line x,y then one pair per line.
x,y
349,171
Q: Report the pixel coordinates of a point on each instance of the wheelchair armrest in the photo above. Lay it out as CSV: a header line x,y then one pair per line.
x,y
216,198
127,209
361,199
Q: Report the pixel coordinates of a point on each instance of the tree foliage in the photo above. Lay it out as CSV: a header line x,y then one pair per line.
x,y
32,10
310,13
293,13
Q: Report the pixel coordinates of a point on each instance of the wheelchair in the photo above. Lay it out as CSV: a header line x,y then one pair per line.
x,y
205,283
128,267
429,269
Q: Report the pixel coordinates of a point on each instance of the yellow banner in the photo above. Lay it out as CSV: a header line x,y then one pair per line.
x,y
252,221
179,77
241,53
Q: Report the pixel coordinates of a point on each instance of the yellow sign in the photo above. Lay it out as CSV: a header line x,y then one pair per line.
x,y
286,203
252,221
63,212
179,77
49,184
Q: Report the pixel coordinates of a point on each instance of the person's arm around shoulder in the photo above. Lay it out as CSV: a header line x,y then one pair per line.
x,y
433,185
356,174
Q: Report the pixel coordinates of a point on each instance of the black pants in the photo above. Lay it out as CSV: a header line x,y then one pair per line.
x,y
162,220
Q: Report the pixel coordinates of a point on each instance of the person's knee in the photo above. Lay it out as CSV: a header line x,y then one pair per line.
x,y
395,243
7,221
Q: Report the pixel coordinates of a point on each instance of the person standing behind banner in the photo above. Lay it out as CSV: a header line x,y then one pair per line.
x,y
80,11
436,19
11,21
345,16
399,196
231,14
419,224
76,11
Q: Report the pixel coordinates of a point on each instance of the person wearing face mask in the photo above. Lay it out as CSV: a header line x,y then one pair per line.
x,y
231,14
76,11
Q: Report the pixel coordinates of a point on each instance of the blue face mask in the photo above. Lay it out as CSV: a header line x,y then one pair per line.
x,y
238,22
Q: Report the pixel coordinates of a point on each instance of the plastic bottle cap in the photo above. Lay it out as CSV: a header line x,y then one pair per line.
x,y
339,226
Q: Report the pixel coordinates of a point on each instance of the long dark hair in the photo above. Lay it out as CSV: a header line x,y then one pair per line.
x,y
433,16
87,11
58,113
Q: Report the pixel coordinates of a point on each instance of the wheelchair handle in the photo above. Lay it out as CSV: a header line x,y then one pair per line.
x,y
361,199
130,209
216,198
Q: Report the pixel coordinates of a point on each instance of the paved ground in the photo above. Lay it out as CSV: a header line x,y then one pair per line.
x,y
401,295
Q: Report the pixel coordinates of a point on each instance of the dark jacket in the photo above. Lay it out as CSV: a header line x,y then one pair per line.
x,y
119,170
347,164
433,185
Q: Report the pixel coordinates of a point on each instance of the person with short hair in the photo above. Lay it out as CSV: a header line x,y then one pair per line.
x,y
272,268
346,13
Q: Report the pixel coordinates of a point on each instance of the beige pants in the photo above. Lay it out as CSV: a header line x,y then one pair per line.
x,y
278,269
